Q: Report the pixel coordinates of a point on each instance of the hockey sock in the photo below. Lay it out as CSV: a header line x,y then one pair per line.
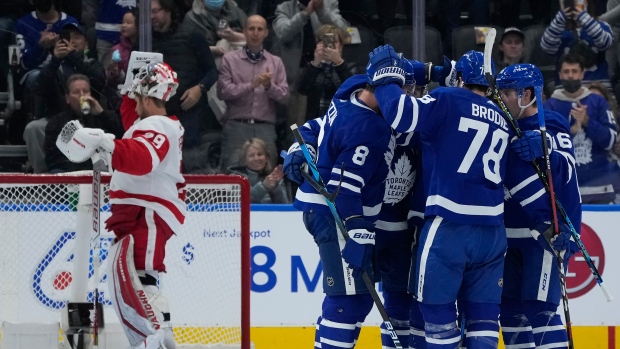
x,y
516,329
440,327
547,327
482,325
317,335
417,339
339,323
397,306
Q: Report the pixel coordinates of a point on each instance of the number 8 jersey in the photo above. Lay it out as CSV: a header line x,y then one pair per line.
x,y
353,137
465,141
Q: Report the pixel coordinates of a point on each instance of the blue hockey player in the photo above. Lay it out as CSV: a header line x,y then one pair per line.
x,y
351,142
532,287
463,241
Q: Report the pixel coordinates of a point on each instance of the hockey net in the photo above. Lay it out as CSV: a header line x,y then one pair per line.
x,y
43,219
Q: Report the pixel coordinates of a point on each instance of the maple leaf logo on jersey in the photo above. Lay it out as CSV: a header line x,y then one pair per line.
x,y
583,148
126,3
400,177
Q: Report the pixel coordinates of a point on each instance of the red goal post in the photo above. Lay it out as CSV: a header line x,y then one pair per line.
x,y
46,258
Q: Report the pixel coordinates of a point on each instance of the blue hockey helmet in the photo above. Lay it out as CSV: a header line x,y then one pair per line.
x,y
471,67
519,77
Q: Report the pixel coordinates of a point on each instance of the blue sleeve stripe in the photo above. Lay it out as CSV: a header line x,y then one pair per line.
x,y
372,211
533,198
349,175
523,184
470,210
391,226
345,185
399,113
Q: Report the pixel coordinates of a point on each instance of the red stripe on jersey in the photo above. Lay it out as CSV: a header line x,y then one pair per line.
x,y
119,194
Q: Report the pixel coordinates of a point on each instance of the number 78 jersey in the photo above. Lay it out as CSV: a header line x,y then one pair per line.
x,y
465,141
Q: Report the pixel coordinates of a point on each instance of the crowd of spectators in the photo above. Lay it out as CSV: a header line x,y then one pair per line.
x,y
248,69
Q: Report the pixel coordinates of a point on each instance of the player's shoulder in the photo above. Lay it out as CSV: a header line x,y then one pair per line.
x,y
556,121
159,123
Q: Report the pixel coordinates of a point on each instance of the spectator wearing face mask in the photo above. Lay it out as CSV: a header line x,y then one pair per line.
x,y
593,129
217,20
575,30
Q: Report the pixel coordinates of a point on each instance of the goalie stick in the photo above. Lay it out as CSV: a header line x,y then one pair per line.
x,y
98,166
317,183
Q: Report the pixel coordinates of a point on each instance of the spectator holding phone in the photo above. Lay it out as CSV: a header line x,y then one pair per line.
x,y
326,72
575,29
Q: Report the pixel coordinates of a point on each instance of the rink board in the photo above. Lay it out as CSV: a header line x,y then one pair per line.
x,y
287,292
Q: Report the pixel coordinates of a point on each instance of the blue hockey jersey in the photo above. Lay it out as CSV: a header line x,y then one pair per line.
x,y
28,33
527,202
597,175
465,140
110,17
354,139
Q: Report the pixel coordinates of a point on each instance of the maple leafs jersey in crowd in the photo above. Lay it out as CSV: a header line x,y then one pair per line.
x,y
147,168
591,143
465,140
353,136
527,202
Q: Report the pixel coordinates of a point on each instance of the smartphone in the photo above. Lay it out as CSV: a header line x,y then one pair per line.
x,y
570,4
65,34
328,39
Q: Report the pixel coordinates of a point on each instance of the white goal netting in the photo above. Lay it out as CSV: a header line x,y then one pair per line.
x,y
45,260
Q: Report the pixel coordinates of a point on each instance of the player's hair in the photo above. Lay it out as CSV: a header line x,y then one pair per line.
x,y
261,146
343,36
472,87
572,58
158,102
75,77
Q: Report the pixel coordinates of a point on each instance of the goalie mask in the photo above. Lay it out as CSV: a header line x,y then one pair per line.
x,y
518,77
155,80
471,67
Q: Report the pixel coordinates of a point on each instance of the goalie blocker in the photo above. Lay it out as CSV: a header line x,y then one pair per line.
x,y
142,311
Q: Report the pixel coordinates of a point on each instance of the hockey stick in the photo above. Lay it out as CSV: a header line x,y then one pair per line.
x,y
488,46
98,166
317,183
543,178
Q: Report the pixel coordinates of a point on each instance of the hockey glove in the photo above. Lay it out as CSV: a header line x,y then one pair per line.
x,y
385,66
546,237
293,161
529,146
445,75
358,250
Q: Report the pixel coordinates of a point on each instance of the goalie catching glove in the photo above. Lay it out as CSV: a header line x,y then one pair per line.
x,y
79,143
359,249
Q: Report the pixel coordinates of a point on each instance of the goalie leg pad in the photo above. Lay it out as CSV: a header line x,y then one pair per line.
x,y
131,302
150,282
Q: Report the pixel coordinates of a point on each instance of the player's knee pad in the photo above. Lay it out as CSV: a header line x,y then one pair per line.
x,y
516,328
482,325
341,320
416,331
440,325
397,307
547,327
